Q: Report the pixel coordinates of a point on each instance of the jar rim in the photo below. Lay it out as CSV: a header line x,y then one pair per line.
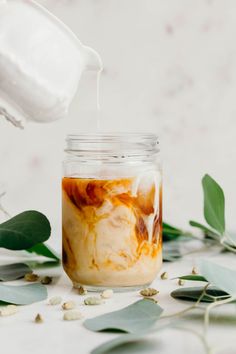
x,y
117,145
103,135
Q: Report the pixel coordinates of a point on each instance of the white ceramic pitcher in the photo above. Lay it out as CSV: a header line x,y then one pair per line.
x,y
41,62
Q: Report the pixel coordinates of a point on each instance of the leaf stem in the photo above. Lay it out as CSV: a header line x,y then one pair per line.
x,y
192,307
216,298
214,238
228,247
200,336
211,306
226,238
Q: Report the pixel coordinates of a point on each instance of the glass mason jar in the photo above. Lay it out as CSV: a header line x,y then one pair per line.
x,y
112,210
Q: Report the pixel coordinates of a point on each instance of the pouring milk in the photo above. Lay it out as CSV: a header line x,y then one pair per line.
x,y
41,62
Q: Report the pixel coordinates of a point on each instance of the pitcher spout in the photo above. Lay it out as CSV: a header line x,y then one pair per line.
x,y
92,60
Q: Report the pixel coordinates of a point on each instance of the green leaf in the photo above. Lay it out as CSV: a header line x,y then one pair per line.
x,y
126,343
220,276
13,271
43,250
193,294
170,232
23,294
193,277
134,339
214,204
141,315
43,265
205,229
24,231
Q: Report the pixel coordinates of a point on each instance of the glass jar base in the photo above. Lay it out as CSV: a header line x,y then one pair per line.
x,y
116,289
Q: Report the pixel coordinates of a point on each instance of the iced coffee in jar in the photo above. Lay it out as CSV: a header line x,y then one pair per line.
x,y
112,210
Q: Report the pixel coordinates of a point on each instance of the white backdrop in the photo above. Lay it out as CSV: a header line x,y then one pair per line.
x,y
169,67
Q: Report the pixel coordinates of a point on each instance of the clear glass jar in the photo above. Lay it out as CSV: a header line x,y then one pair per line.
x,y
112,210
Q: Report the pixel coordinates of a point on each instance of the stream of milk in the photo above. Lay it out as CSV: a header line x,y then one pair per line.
x,y
98,115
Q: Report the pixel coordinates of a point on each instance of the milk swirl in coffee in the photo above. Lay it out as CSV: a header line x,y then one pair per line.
x,y
112,211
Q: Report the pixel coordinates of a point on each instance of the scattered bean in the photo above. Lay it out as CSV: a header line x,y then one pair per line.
x,y
93,300
8,310
82,291
38,319
46,280
56,300
164,275
149,292
107,294
194,270
69,305
181,282
72,315
31,277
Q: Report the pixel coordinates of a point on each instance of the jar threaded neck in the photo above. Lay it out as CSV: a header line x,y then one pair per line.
x,y
117,146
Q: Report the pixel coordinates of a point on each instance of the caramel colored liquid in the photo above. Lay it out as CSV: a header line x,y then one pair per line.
x,y
106,237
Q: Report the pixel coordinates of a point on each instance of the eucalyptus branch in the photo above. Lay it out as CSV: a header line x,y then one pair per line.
x,y
215,239
218,298
228,237
213,305
228,247
200,336
192,307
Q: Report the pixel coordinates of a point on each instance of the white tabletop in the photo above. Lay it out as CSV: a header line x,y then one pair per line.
x,y
20,334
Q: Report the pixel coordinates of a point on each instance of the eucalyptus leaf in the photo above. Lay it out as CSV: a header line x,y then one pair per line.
x,y
43,250
121,343
13,271
42,265
129,345
218,275
24,231
139,316
203,228
193,294
214,204
133,338
22,294
193,277
170,232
